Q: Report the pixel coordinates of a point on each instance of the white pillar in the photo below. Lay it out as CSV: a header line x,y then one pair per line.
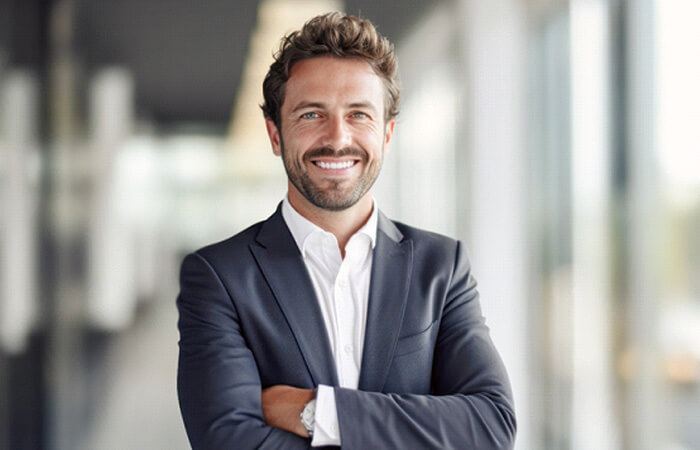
x,y
18,197
495,35
643,409
593,423
111,277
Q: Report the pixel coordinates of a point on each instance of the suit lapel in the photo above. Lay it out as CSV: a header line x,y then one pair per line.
x,y
285,272
391,276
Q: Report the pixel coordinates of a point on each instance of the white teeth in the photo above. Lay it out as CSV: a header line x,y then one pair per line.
x,y
341,165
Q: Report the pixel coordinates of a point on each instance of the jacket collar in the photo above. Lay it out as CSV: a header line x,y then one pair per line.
x,y
301,227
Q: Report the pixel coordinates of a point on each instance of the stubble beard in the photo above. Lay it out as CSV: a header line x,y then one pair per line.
x,y
333,197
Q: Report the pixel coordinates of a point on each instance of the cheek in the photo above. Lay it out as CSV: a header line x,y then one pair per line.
x,y
304,131
374,144
366,134
299,142
293,159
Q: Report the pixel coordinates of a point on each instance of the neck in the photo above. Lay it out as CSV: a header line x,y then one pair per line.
x,y
343,224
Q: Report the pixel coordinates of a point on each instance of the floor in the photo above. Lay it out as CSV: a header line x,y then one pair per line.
x,y
140,409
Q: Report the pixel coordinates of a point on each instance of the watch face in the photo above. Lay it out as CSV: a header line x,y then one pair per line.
x,y
307,415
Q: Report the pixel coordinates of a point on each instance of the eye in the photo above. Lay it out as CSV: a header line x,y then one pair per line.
x,y
359,115
310,115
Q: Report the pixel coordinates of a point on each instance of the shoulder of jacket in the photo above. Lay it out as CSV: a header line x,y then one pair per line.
x,y
232,246
425,237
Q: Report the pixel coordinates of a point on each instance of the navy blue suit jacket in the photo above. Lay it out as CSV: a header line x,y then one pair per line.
x,y
249,319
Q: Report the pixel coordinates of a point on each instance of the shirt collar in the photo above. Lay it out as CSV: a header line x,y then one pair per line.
x,y
301,227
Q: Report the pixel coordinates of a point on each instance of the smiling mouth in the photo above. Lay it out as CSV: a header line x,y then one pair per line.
x,y
339,165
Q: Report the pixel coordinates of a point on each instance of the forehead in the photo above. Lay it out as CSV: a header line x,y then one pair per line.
x,y
333,81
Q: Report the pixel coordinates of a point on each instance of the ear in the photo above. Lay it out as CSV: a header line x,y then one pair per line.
x,y
274,135
388,134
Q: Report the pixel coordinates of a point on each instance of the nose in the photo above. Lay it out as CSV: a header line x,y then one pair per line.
x,y
337,134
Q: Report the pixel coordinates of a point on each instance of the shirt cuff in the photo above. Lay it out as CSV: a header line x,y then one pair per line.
x,y
326,419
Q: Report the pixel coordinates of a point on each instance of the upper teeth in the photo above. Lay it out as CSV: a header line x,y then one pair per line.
x,y
339,165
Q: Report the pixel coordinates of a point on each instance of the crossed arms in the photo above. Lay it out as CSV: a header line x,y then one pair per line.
x,y
221,396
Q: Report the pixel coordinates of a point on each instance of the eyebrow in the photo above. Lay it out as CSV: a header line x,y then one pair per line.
x,y
366,105
304,105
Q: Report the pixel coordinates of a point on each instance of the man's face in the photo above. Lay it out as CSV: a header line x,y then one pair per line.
x,y
333,134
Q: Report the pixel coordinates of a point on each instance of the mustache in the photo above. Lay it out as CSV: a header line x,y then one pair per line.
x,y
327,152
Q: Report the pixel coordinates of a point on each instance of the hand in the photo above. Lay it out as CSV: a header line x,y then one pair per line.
x,y
282,406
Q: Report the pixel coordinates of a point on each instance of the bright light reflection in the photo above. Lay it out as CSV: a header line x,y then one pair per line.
x,y
678,133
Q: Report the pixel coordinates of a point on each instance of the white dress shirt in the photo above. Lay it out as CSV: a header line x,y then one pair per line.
x,y
342,289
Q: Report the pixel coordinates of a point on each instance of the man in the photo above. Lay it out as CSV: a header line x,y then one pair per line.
x,y
329,324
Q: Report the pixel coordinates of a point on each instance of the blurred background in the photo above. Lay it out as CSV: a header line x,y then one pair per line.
x,y
560,139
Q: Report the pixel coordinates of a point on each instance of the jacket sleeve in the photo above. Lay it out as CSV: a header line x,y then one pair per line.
x,y
471,403
218,383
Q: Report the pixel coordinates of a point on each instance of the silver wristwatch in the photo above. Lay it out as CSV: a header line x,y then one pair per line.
x,y
308,416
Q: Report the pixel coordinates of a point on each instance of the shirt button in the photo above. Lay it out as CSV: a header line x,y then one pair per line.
x,y
348,348
343,283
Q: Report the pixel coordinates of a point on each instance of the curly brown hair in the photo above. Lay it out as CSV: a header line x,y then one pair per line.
x,y
339,35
